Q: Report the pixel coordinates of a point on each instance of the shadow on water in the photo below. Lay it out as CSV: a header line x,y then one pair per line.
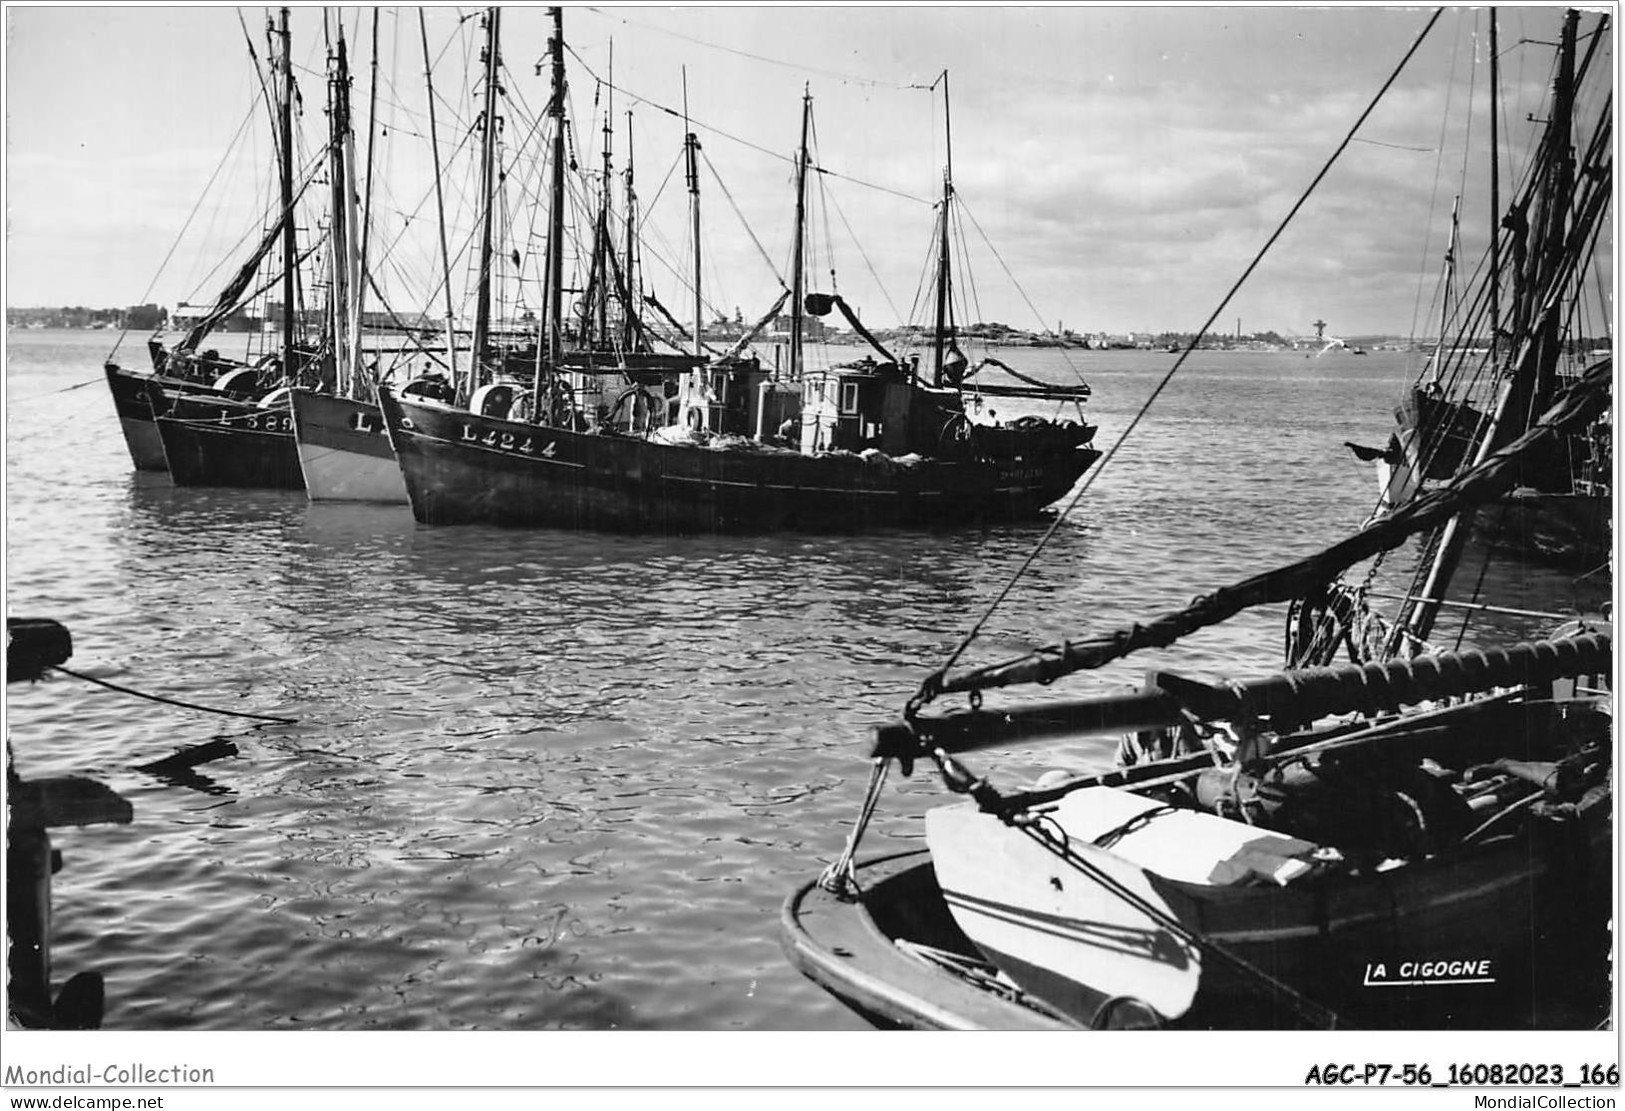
x,y
179,769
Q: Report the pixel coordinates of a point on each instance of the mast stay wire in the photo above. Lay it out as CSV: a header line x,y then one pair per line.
x,y
757,147
932,682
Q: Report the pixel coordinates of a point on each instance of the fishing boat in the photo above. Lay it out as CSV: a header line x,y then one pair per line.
x,y
1502,352
1421,837
336,436
205,373
231,391
726,443
215,438
343,452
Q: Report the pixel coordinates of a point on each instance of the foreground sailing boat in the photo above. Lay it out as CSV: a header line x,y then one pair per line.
x,y
695,451
1319,848
1416,839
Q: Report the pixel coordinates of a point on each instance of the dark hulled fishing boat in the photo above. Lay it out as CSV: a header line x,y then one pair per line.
x,y
466,468
1509,339
212,439
727,445
187,371
217,441
205,375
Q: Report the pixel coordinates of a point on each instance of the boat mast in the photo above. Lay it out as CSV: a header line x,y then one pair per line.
x,y
289,247
1495,189
1552,227
1449,292
358,294
555,233
1520,395
488,131
628,308
440,205
797,280
341,216
601,242
945,323
691,147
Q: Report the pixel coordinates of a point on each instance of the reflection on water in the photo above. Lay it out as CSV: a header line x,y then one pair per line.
x,y
544,779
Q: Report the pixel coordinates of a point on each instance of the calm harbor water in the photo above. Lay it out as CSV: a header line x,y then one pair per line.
x,y
553,780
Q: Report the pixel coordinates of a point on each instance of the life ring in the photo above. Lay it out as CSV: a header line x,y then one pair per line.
x,y
696,418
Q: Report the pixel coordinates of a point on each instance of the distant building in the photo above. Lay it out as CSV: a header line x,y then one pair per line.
x,y
187,316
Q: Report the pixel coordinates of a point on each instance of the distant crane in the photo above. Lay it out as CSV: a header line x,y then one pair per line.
x,y
1320,331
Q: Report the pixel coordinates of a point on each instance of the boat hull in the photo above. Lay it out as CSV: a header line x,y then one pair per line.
x,y
1516,919
1550,519
220,442
134,409
849,947
1571,531
344,452
463,468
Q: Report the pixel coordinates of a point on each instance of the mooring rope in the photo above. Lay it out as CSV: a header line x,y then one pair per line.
x,y
173,701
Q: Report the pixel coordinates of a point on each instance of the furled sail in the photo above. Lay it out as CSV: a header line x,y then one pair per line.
x,y
230,297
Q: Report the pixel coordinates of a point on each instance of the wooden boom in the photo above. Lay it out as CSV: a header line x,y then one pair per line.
x,y
1285,700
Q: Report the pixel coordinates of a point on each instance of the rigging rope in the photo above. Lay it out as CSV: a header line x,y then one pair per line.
x,y
173,701
743,222
1575,408
798,67
932,683
677,114
189,218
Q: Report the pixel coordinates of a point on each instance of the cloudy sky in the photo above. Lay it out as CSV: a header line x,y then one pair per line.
x,y
1118,166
